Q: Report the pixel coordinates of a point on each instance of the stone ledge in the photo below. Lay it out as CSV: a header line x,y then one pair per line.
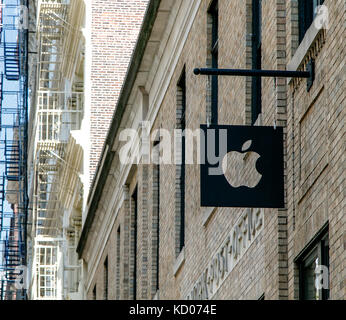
x,y
208,212
157,295
298,59
303,48
179,262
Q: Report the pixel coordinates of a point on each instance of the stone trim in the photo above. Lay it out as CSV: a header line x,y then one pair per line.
x,y
207,214
157,295
309,48
179,261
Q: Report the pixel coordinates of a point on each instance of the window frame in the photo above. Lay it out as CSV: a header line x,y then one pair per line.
x,y
315,249
181,85
256,44
106,279
94,293
213,12
157,170
306,15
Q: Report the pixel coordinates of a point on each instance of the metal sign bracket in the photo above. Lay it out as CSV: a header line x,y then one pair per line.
x,y
309,74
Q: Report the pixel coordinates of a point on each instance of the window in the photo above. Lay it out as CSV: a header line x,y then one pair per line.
x,y
94,292
213,35
118,264
105,279
156,214
307,12
256,91
134,225
180,168
313,266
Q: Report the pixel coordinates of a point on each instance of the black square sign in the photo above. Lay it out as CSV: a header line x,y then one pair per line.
x,y
242,166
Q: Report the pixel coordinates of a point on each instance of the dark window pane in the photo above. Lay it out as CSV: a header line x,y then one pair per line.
x,y
307,12
325,262
214,14
182,124
256,99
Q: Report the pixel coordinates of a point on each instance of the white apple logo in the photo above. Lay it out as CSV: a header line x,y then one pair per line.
x,y
239,174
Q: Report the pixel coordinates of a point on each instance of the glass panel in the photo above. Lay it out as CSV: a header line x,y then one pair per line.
x,y
48,281
49,256
42,256
54,256
309,289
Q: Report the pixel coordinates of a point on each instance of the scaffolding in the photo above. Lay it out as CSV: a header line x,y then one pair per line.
x,y
58,112
13,149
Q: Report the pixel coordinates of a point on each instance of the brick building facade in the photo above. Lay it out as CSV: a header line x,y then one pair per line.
x,y
146,236
114,29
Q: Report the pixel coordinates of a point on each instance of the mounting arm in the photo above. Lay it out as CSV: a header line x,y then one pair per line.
x,y
309,74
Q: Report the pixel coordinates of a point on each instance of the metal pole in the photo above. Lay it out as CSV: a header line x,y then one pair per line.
x,y
252,73
309,74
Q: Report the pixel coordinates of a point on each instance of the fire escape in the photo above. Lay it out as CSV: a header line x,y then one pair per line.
x,y
58,112
13,148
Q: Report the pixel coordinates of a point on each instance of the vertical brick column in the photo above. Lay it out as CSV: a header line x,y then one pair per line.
x,y
292,35
281,119
143,234
155,183
132,217
118,265
125,275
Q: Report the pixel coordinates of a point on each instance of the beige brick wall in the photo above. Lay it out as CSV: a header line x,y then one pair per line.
x,y
314,174
315,127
